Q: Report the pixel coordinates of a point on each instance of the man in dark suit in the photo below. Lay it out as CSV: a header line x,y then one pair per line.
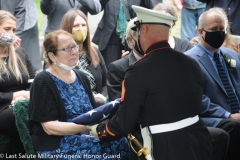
x,y
115,76
162,92
55,9
221,79
105,36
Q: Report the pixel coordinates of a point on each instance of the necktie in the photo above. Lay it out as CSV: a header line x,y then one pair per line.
x,y
231,95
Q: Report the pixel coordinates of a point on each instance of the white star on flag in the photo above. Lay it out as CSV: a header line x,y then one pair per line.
x,y
105,116
91,112
114,102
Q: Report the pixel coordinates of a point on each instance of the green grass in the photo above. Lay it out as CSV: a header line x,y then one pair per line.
x,y
40,18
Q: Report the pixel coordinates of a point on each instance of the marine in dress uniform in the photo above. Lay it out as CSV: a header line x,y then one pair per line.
x,y
163,91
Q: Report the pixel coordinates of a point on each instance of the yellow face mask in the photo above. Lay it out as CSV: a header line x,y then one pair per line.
x,y
79,35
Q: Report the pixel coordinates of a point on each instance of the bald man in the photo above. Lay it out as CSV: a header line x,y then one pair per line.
x,y
221,83
231,7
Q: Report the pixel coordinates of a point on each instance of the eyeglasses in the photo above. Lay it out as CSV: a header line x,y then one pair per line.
x,y
69,48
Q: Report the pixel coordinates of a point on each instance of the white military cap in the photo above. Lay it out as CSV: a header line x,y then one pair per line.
x,y
150,16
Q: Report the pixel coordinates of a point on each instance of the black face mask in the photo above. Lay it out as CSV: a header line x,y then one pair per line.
x,y
215,39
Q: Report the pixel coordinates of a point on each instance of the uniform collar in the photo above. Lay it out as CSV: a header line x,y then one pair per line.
x,y
158,45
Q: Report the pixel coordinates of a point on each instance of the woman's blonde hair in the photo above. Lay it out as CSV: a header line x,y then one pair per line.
x,y
67,25
15,63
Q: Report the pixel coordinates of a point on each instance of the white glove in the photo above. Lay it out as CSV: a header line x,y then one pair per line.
x,y
100,96
93,130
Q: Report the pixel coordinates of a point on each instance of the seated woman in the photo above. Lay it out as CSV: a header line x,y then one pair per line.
x,y
60,94
15,74
90,59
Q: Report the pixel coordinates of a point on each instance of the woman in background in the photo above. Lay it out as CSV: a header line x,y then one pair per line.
x,y
90,59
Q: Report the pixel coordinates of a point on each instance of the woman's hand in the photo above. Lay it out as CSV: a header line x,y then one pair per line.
x,y
18,99
17,42
20,95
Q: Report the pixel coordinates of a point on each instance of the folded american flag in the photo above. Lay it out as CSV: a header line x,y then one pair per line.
x,y
99,114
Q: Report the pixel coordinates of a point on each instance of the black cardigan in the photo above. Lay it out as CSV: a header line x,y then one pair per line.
x,y
46,105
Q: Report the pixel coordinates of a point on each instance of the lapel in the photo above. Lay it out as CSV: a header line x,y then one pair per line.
x,y
131,58
207,64
233,73
72,3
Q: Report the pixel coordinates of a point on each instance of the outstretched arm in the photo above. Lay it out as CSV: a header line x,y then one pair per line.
x,y
128,114
62,128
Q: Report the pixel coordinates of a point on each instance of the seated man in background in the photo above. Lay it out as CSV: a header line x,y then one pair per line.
x,y
231,7
231,41
221,78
